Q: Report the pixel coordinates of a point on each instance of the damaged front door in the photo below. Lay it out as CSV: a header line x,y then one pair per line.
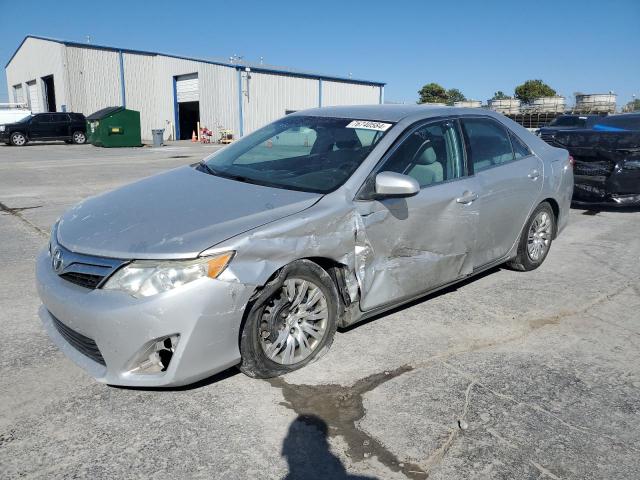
x,y
407,246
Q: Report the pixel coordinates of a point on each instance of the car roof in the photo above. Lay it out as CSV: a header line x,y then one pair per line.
x,y
392,113
383,113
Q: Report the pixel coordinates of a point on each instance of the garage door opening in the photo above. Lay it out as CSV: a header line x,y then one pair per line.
x,y
50,93
188,117
187,105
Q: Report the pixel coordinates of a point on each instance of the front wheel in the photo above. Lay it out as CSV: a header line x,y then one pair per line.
x,y
18,139
79,138
535,239
292,323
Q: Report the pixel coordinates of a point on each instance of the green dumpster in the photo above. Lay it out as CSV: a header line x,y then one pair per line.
x,y
114,127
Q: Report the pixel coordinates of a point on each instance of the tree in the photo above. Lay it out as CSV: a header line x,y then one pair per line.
x,y
432,93
455,95
632,106
500,95
532,89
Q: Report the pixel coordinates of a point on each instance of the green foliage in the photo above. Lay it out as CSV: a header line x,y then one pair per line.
x,y
432,93
500,95
455,95
532,89
633,106
435,93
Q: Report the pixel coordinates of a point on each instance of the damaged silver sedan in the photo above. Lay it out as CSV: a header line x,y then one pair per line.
x,y
254,256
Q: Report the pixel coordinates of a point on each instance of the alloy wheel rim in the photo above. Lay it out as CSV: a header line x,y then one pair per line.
x,y
19,139
78,137
294,323
539,237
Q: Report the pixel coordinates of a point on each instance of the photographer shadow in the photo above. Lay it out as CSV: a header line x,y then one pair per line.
x,y
306,450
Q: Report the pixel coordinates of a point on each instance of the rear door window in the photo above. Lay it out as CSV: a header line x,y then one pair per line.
x,y
488,143
520,150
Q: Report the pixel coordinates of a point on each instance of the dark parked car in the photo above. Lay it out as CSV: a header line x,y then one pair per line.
x,y
70,127
566,122
607,161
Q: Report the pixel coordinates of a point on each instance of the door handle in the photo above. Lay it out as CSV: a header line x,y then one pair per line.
x,y
533,174
467,198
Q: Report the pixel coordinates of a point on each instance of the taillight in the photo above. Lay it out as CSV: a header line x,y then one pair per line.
x,y
572,161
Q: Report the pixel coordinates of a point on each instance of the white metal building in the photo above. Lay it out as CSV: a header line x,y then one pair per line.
x,y
171,92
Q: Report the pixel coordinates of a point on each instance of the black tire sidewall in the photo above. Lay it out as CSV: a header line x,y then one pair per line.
x,y
524,253
254,362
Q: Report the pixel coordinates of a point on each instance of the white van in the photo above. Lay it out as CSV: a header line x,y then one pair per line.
x,y
13,112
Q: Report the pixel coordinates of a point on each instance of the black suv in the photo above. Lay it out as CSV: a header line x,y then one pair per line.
x,y
70,127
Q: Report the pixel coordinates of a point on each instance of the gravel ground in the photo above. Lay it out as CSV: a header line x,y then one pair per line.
x,y
509,375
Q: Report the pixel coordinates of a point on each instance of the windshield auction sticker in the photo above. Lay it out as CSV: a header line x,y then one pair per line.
x,y
381,127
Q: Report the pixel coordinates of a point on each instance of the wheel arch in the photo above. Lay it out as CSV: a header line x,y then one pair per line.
x,y
555,207
333,268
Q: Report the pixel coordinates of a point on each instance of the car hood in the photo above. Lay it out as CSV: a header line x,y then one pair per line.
x,y
176,214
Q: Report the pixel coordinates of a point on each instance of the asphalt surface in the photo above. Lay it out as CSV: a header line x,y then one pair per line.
x,y
508,376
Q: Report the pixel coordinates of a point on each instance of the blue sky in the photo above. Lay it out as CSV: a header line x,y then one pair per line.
x,y
476,46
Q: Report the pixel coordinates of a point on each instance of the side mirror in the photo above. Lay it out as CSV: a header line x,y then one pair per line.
x,y
391,184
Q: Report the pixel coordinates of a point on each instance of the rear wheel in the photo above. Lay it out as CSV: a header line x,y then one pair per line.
x,y
18,139
291,324
535,239
79,138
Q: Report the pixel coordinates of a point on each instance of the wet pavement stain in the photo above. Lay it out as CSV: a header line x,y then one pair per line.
x,y
341,408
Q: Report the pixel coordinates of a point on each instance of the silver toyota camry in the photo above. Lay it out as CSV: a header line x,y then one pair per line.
x,y
254,256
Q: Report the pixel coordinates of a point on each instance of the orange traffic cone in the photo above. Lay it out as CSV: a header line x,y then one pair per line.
x,y
193,136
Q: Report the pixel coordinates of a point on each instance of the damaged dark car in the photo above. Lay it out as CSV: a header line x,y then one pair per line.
x,y
607,162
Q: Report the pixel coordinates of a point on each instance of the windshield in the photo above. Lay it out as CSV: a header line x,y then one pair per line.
x,y
312,154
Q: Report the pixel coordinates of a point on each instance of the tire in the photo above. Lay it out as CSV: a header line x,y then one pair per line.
x,y
18,139
535,239
79,138
271,325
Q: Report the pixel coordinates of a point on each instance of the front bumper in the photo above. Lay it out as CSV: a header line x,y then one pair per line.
x,y
206,314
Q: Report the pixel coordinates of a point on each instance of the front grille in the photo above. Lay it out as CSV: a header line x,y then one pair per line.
x,y
83,279
83,344
86,271
593,169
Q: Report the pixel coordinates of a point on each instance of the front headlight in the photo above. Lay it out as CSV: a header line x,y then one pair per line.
x,y
144,278
1,128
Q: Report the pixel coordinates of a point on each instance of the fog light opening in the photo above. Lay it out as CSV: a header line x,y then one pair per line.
x,y
157,356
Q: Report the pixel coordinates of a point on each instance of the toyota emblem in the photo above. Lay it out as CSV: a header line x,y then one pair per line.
x,y
57,262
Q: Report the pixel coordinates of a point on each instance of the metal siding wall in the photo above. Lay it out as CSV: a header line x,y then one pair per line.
x,y
149,88
218,98
271,94
344,93
142,93
94,79
36,59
